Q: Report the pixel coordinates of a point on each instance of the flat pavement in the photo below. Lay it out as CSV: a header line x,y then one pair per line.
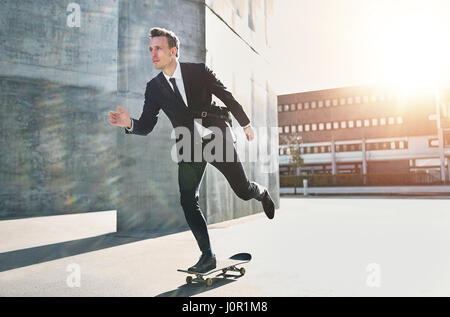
x,y
313,247
441,190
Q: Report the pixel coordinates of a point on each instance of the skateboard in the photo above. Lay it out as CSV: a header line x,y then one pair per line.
x,y
222,265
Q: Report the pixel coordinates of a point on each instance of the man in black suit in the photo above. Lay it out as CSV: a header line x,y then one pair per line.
x,y
183,90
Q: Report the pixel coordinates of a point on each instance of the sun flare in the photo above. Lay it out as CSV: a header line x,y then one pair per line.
x,y
413,49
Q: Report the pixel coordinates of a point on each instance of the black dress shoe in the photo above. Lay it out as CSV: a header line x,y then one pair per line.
x,y
205,264
268,205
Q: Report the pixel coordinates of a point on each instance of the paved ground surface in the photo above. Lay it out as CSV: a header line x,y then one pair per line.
x,y
313,247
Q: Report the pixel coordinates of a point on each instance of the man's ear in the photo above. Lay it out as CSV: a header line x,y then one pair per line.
x,y
174,51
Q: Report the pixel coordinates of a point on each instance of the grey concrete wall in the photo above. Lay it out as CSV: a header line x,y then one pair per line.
x,y
57,82
238,50
58,153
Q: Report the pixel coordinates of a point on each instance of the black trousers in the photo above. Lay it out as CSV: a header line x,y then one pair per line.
x,y
190,175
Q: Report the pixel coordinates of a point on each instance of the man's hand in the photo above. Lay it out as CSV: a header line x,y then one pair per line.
x,y
249,133
121,118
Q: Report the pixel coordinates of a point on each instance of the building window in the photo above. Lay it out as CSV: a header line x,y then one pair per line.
x,y
351,124
306,127
327,103
286,129
358,99
293,107
391,120
374,122
306,105
335,102
321,126
300,128
320,104
433,142
374,98
280,129
328,125
367,123
401,145
343,124
382,98
293,128
342,101
350,100
281,151
286,107
314,127
313,105
335,125
383,121
280,108
299,106
392,145
365,99
399,120
358,123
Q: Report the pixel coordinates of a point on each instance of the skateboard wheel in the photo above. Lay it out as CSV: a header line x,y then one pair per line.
x,y
209,282
242,270
189,279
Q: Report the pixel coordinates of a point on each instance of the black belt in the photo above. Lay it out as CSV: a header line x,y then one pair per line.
x,y
215,112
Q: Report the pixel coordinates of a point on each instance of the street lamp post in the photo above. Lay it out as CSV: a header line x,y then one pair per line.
x,y
440,133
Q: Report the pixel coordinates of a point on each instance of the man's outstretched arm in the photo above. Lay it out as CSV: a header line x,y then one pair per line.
x,y
146,122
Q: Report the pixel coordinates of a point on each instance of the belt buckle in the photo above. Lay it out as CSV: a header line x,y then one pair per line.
x,y
204,114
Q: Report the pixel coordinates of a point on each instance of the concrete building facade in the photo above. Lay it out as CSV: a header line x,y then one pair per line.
x,y
65,65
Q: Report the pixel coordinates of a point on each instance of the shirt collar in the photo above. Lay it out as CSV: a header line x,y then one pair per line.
x,y
176,74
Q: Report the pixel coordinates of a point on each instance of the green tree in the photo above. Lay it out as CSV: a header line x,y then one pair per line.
x,y
296,159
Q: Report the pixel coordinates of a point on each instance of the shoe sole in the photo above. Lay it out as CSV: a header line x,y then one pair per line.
x,y
270,213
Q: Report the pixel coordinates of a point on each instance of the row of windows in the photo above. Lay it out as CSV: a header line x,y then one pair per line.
x,y
374,122
331,102
357,147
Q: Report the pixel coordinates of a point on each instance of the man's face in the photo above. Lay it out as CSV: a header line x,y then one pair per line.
x,y
160,52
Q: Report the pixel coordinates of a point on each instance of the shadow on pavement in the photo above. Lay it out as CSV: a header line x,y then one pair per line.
x,y
196,288
20,258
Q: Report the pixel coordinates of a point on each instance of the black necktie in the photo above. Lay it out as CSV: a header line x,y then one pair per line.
x,y
175,87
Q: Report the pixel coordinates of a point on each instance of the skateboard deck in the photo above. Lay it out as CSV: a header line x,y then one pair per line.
x,y
222,265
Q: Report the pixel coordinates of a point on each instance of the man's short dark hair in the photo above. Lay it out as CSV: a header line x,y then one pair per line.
x,y
172,39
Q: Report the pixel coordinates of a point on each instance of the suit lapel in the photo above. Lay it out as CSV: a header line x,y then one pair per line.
x,y
187,82
168,91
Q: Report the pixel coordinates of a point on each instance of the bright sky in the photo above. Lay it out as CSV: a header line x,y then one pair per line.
x,y
325,44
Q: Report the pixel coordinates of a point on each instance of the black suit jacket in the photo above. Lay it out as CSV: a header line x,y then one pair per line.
x,y
199,83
